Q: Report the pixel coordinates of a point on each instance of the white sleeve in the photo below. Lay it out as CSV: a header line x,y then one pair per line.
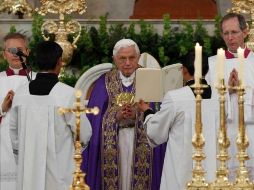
x,y
158,125
85,129
14,131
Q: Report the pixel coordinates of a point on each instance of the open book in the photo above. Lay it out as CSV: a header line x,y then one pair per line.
x,y
152,84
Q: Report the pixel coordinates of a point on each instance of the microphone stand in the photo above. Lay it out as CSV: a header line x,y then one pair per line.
x,y
24,67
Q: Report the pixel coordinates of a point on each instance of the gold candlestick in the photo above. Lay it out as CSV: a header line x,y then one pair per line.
x,y
198,174
242,181
17,7
63,29
79,177
221,181
245,7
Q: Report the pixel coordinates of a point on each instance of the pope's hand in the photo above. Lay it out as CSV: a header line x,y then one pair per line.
x,y
126,111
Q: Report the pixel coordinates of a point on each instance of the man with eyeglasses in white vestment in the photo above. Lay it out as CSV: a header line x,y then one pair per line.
x,y
234,30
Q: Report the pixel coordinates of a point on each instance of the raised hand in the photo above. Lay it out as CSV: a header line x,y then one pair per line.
x,y
233,80
6,105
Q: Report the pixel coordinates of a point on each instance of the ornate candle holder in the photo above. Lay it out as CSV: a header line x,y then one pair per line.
x,y
221,181
17,7
79,177
198,174
242,181
246,7
62,30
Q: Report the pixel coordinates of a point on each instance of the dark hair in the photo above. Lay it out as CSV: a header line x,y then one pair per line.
x,y
47,55
188,62
241,20
15,36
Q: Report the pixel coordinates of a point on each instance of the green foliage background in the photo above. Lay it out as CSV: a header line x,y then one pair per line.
x,y
95,45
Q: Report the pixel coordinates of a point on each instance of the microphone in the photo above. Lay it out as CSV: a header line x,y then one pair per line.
x,y
17,51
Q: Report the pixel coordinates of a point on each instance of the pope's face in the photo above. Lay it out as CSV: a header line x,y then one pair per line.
x,y
233,35
13,60
126,60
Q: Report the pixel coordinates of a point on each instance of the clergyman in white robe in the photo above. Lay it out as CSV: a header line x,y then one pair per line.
x,y
43,139
231,63
8,168
175,124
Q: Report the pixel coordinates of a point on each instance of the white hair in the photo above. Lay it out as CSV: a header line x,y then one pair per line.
x,y
123,43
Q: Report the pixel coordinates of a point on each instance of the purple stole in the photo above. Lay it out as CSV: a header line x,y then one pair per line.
x,y
142,158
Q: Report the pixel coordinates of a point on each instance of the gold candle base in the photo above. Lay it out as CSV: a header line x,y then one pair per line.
x,y
221,182
198,174
78,182
197,185
198,180
243,184
242,181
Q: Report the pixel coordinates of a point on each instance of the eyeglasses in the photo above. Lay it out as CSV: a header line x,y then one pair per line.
x,y
232,33
14,49
123,60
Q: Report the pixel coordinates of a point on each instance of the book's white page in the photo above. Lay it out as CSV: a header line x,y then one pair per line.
x,y
172,77
149,85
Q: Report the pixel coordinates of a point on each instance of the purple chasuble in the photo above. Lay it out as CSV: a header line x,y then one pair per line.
x,y
101,161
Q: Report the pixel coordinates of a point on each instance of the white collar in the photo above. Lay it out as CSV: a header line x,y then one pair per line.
x,y
127,81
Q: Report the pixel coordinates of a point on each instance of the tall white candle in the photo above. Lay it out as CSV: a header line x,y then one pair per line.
x,y
198,63
240,53
220,65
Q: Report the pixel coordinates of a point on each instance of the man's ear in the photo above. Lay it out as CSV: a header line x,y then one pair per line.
x,y
221,35
114,60
3,53
27,52
245,32
59,62
59,65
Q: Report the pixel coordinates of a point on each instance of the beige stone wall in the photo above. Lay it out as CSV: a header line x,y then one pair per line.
x,y
223,6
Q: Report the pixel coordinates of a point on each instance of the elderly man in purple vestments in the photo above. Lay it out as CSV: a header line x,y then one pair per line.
x,y
118,156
